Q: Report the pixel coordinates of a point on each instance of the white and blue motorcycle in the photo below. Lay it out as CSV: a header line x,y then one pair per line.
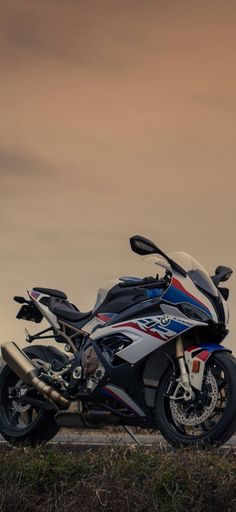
x,y
149,354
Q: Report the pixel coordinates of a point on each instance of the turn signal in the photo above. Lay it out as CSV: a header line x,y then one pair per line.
x,y
196,366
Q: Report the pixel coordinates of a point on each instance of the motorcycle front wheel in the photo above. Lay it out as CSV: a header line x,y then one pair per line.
x,y
208,419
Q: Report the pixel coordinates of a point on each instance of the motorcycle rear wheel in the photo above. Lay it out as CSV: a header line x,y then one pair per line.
x,y
25,425
221,423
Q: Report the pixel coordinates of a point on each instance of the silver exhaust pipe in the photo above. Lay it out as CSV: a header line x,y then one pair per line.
x,y
18,361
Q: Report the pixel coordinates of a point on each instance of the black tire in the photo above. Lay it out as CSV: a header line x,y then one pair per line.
x,y
42,428
222,431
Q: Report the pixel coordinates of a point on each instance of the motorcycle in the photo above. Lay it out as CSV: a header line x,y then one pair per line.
x,y
148,355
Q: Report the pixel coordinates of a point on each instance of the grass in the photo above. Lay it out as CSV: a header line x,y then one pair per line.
x,y
117,479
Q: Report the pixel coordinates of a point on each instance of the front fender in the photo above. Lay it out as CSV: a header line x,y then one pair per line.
x,y
196,357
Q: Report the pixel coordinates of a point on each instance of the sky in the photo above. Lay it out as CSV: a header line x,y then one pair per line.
x,y
117,118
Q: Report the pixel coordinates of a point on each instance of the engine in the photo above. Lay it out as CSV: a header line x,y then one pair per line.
x,y
93,370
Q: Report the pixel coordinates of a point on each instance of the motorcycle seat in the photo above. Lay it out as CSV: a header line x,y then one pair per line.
x,y
52,292
72,316
67,311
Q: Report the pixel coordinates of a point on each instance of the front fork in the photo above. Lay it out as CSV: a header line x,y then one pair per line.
x,y
183,382
192,364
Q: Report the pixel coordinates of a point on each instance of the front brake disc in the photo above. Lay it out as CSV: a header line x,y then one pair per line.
x,y
179,410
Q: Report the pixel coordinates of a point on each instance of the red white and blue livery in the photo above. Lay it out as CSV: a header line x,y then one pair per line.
x,y
148,354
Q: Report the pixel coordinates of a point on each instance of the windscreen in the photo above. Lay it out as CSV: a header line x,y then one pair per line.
x,y
195,271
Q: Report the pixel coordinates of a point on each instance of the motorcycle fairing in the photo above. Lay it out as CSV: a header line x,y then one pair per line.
x,y
114,298
200,354
123,383
182,290
148,332
99,320
119,394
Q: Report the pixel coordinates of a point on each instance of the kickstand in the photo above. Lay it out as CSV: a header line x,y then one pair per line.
x,y
131,434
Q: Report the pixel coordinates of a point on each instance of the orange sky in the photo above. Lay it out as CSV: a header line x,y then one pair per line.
x,y
116,118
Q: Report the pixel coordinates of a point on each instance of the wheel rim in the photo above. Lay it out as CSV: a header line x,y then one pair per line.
x,y
16,415
194,419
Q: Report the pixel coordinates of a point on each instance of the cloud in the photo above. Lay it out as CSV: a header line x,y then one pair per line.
x,y
97,33
18,163
116,119
23,176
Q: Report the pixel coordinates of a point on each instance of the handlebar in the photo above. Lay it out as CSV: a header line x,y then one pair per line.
x,y
149,282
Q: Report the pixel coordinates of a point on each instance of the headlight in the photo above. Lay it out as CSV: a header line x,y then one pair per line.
x,y
194,313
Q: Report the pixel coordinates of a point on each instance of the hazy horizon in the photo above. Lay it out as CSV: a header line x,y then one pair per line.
x,y
118,118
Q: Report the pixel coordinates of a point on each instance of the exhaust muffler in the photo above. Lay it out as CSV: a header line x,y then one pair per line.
x,y
18,361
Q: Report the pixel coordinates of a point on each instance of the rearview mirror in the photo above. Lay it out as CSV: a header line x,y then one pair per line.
x,y
224,272
143,246
221,274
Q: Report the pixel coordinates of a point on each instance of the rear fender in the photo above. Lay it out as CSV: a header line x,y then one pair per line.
x,y
196,357
46,354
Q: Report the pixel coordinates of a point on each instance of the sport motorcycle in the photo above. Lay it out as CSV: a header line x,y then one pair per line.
x,y
148,355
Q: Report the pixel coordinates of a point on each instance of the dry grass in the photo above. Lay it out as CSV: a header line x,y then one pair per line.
x,y
117,479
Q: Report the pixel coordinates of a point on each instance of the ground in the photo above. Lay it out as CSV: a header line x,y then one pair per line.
x,y
136,479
